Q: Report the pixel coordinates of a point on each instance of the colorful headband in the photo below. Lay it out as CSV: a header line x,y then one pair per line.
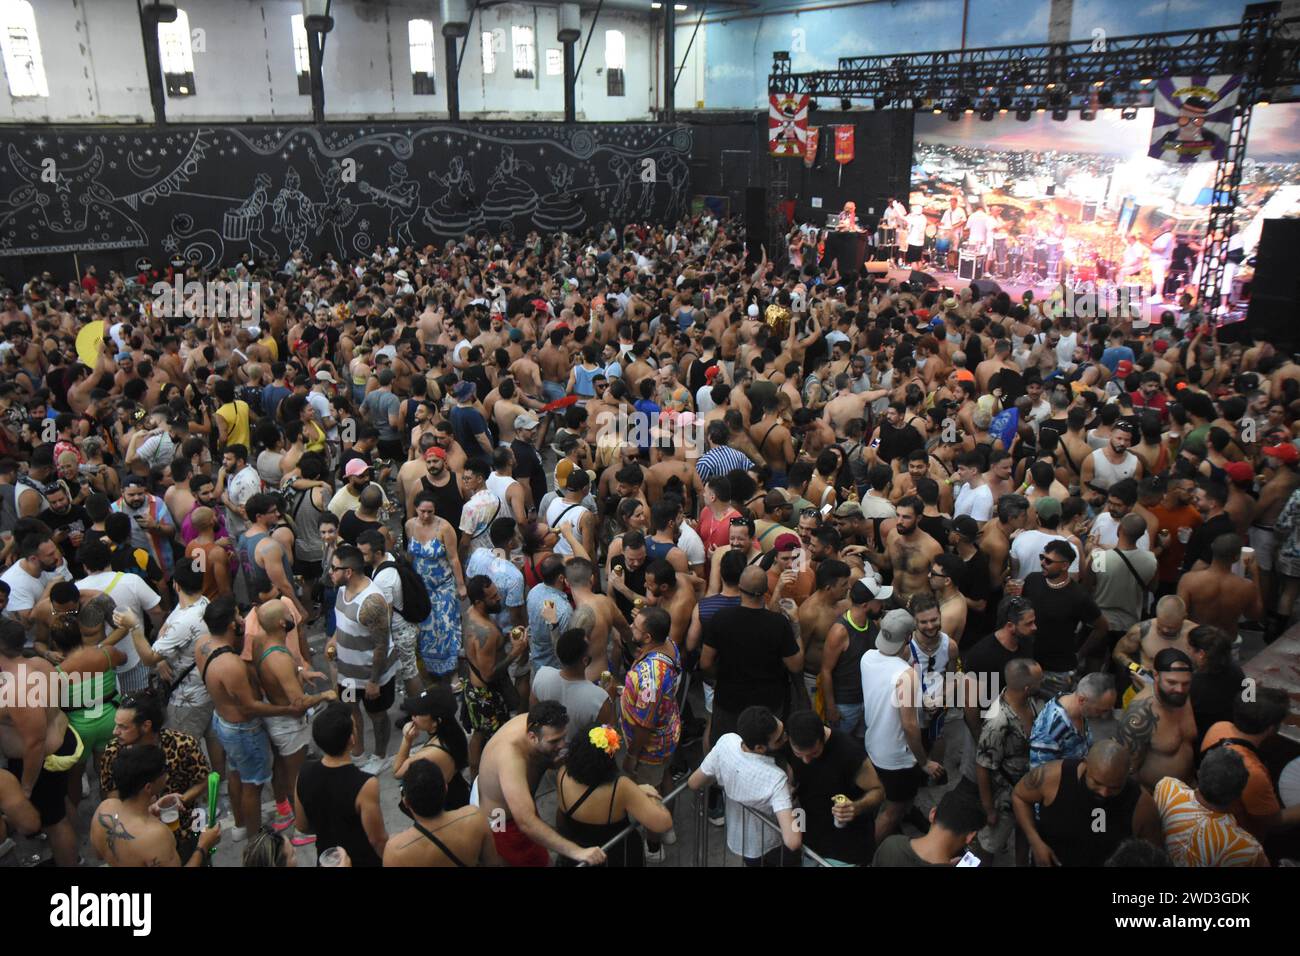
x,y
604,738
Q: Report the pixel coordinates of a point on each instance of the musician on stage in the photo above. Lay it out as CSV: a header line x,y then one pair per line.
x,y
1134,261
979,231
916,223
1162,253
954,222
1001,233
895,222
848,221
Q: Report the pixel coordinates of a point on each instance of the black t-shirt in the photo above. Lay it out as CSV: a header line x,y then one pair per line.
x,y
936,526
834,772
74,519
635,581
897,850
1198,547
1059,612
695,377
528,468
986,659
898,443
350,527
751,644
1212,697
974,584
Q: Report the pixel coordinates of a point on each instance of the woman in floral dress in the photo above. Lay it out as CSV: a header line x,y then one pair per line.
x,y
431,543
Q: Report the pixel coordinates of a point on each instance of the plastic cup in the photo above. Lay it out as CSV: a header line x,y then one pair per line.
x,y
1184,535
788,605
169,811
332,857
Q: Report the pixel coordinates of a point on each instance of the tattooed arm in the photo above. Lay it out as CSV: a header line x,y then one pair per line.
x,y
1136,730
1032,789
375,618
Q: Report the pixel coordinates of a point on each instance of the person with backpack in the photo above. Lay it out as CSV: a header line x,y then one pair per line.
x,y
405,594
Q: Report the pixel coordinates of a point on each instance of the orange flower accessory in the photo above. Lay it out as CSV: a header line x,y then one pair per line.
x,y
605,738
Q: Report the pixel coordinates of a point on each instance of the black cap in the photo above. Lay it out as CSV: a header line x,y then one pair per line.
x,y
1172,659
435,702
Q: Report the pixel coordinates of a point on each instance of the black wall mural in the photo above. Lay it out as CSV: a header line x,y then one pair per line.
x,y
213,193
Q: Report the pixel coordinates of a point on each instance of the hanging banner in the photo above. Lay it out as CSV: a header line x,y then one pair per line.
x,y
810,146
787,124
843,144
1193,118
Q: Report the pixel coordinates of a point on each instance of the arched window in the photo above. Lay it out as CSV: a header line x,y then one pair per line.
x,y
22,49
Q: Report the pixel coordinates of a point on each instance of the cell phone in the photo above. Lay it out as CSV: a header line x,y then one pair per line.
x,y
826,510
875,443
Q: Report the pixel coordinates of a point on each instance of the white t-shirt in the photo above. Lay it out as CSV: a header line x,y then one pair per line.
x,y
1107,531
390,585
751,780
1028,547
690,542
241,486
130,592
976,502
25,590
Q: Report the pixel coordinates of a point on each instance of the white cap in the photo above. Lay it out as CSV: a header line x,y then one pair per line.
x,y
753,310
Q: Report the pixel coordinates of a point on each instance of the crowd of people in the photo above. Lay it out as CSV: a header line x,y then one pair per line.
x,y
648,505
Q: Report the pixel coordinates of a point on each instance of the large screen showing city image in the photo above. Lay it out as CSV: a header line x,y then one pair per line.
x,y
1080,200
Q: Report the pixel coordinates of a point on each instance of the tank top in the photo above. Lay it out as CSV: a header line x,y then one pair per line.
x,y
582,384
307,543
457,791
329,797
248,555
656,549
846,677
930,669
499,485
1104,474
1066,824
563,513
885,742
356,649
626,853
447,499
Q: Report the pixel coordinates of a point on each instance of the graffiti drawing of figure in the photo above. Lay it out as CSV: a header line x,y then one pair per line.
x,y
561,210
74,205
623,174
295,213
247,222
508,195
450,213
674,171
401,197
337,210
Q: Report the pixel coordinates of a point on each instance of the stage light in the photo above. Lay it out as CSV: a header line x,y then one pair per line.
x,y
1087,114
1051,86
1146,80
1003,112
1040,110
1129,113
781,56
1099,84
986,112
1022,115
954,115
846,104
1262,103
936,111
1060,115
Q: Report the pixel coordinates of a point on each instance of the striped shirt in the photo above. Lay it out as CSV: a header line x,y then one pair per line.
x,y
721,460
356,648
1195,835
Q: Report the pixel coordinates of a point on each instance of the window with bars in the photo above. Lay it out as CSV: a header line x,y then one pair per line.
x,y
615,62
177,55
489,54
525,52
554,62
21,47
301,60
419,34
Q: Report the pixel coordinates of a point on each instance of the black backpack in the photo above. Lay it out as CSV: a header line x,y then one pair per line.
x,y
416,606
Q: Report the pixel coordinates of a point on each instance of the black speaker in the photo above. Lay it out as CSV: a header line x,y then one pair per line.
x,y
983,287
756,223
1276,287
922,280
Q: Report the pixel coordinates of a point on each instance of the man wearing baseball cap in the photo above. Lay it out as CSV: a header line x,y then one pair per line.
x,y
891,700
528,463
848,639
1159,729
790,575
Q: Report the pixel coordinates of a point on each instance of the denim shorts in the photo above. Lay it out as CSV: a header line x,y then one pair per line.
x,y
553,391
850,721
247,747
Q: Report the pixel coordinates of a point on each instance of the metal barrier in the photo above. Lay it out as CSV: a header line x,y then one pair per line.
x,y
632,828
748,812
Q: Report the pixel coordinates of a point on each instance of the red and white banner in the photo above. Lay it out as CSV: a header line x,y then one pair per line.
x,y
787,123
810,146
843,144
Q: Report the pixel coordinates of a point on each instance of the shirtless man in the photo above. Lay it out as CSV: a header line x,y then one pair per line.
x,y
670,589
741,538
1159,729
505,410
281,679
595,613
995,537
1216,595
489,668
514,762
439,837
238,711
945,572
658,475
848,405
527,373
554,362
818,613
911,551
772,438
126,830
42,749
1145,639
